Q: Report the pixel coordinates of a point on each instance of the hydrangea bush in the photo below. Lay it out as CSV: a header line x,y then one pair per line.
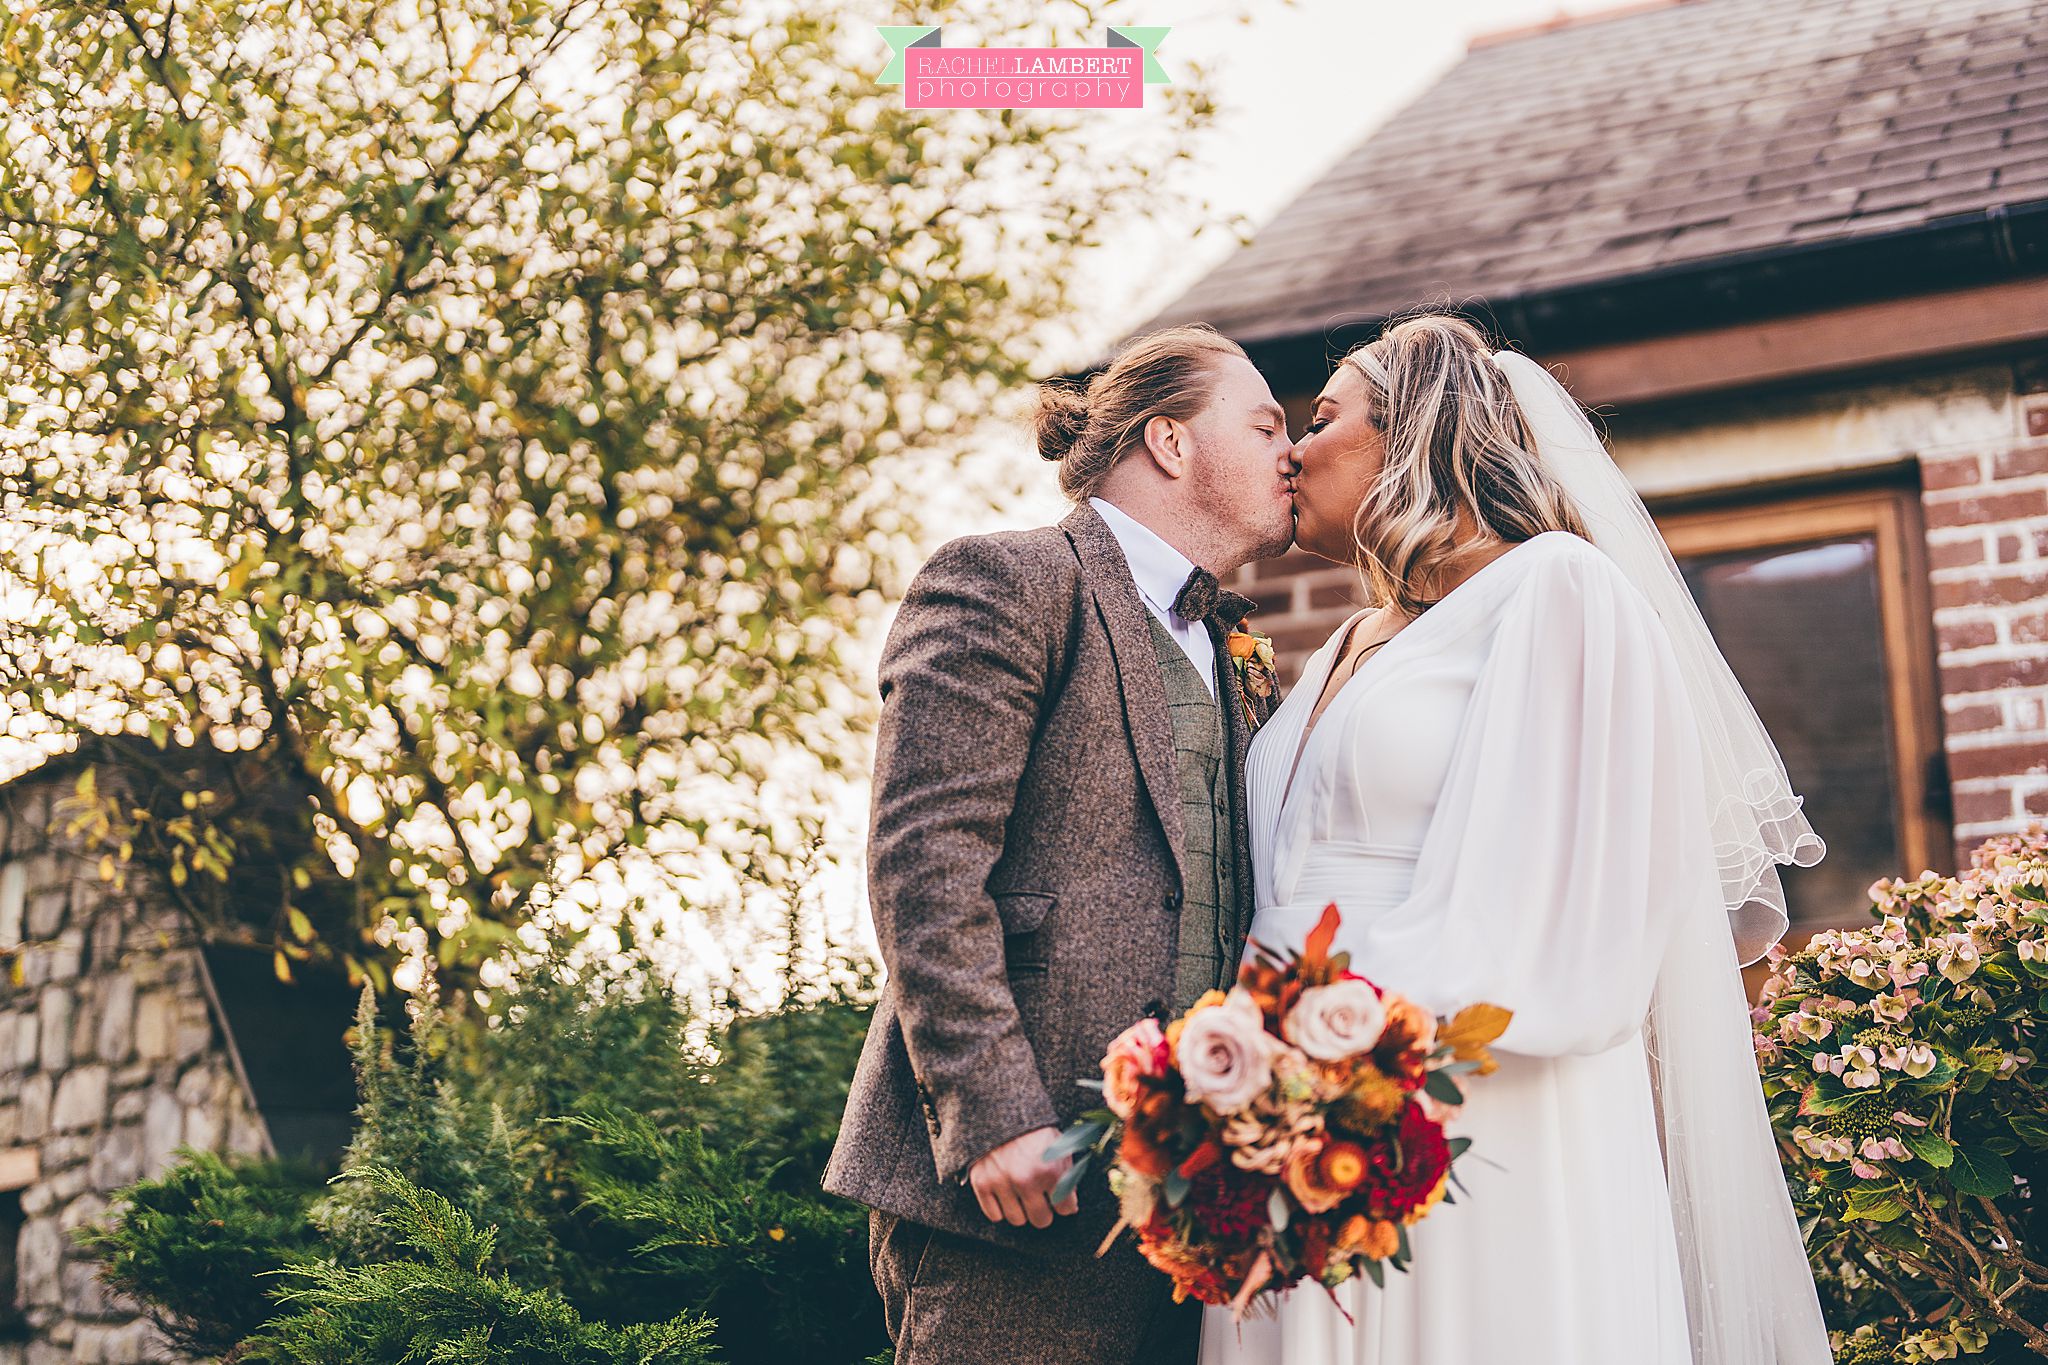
x,y
1901,1066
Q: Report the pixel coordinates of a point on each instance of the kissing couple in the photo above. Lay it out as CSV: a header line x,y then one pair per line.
x,y
1524,774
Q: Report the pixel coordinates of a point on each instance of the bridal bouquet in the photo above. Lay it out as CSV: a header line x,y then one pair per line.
x,y
1291,1129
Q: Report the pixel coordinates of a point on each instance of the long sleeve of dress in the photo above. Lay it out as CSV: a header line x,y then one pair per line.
x,y
1569,836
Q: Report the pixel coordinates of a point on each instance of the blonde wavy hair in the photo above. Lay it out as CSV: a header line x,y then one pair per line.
x,y
1456,441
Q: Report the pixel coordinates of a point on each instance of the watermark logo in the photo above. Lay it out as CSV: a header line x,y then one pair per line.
x,y
1113,76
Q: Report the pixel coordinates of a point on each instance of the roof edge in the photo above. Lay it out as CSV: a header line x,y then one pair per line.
x,y
2004,242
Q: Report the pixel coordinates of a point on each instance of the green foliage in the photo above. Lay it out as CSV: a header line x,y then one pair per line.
x,y
784,1272
444,1303
201,1245
490,415
458,1141
772,1069
1901,1064
555,1183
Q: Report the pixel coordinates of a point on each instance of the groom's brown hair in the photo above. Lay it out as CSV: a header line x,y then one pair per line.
x,y
1160,374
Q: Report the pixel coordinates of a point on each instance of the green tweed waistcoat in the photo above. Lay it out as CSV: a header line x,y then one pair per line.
x,y
1210,938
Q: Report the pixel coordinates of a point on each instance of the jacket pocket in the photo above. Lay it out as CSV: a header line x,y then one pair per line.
x,y
1026,951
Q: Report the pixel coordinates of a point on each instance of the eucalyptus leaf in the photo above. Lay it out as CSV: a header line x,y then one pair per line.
x,y
1071,1178
1442,1088
1078,1138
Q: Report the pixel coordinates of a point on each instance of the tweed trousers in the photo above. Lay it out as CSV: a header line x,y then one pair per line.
x,y
953,1300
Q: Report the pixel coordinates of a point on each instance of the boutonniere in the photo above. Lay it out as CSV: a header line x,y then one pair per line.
x,y
1251,654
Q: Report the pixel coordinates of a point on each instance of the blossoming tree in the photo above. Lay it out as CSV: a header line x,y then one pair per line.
x,y
489,415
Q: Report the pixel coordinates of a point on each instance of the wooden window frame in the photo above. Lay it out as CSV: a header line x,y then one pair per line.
x,y
1891,517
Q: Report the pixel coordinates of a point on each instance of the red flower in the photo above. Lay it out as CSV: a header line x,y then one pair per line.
x,y
1392,1193
1229,1205
1315,1246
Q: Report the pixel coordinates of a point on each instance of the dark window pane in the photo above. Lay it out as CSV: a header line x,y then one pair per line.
x,y
1801,628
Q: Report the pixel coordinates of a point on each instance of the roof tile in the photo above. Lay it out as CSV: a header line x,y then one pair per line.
x,y
1653,138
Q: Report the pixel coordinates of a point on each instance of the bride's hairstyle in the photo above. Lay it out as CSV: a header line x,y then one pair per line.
x,y
1455,440
1161,374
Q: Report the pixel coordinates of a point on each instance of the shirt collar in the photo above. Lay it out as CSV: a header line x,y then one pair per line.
x,y
1158,569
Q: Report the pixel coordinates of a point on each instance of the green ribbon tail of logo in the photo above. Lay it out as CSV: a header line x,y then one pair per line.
x,y
900,36
1145,39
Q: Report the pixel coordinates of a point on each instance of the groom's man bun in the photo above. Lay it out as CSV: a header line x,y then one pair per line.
x,y
1160,374
1062,418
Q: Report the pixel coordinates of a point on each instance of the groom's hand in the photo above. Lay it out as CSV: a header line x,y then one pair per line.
x,y
1014,1182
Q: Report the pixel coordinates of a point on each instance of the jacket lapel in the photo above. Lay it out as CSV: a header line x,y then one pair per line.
x,y
1109,581
1237,728
1237,733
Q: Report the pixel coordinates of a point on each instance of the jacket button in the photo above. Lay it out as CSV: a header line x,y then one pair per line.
x,y
1173,900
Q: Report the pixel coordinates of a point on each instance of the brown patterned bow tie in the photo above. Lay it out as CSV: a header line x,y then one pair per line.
x,y
1202,598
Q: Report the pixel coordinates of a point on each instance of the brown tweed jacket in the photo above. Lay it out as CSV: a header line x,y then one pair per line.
x,y
1024,865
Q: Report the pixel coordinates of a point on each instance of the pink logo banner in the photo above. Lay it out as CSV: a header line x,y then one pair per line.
x,y
1016,77
1113,76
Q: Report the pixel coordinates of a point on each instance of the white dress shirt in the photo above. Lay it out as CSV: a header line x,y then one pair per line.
x,y
1159,571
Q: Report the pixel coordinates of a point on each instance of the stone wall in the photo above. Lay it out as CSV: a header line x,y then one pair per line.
x,y
111,1057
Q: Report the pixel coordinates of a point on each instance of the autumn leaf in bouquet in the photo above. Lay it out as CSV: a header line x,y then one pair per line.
x,y
1289,1129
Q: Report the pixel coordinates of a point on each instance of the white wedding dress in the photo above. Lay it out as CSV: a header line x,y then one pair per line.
x,y
1501,801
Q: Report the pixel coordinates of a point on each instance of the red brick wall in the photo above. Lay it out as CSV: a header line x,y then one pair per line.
x,y
1987,548
1299,599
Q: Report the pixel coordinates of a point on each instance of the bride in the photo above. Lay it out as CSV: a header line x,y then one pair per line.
x,y
1528,777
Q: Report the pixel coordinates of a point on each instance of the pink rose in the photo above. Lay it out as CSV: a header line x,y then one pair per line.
x,y
1139,1051
1336,1021
1226,1055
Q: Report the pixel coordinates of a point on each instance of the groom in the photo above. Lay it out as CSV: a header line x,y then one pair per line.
x,y
1059,843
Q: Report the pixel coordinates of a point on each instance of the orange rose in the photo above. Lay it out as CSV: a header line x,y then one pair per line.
x,y
1142,1155
1409,1026
1139,1052
1368,1237
1243,644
